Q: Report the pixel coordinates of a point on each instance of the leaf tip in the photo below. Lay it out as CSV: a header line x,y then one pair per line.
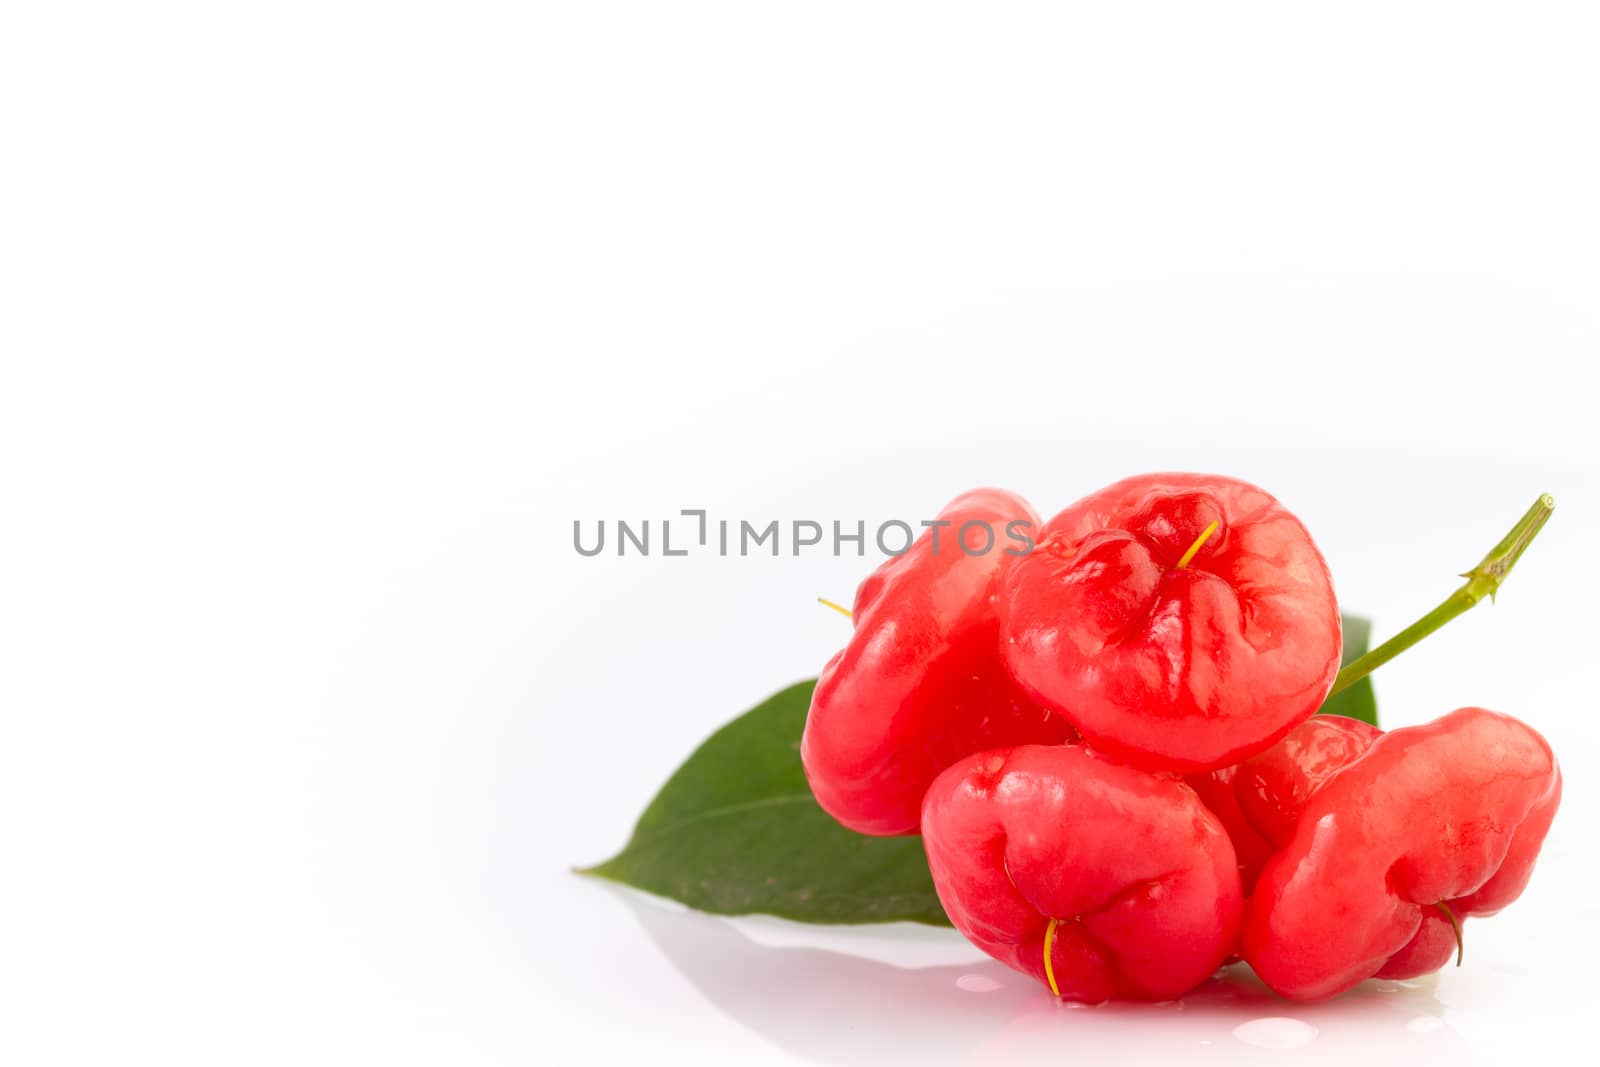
x,y
595,870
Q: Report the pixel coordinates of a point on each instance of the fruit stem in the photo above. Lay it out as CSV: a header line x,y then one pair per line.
x,y
1455,925
840,608
1482,580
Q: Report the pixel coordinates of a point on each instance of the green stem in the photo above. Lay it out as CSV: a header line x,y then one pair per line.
x,y
1482,580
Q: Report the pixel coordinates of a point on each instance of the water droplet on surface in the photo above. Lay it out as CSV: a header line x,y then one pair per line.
x,y
1390,985
1425,1024
977,983
1275,1031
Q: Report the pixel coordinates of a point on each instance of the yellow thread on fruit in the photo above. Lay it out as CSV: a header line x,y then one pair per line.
x,y
1198,541
840,608
1049,969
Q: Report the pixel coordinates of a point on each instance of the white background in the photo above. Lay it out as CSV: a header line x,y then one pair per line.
x,y
322,322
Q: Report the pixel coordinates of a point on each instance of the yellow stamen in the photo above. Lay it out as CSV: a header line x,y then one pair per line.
x,y
840,608
1049,969
1202,539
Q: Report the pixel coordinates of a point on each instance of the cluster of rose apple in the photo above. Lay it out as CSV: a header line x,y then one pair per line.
x,y
1109,745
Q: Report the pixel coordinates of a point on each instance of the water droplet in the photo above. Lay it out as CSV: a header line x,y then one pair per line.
x,y
1425,1024
977,983
1275,1031
1390,985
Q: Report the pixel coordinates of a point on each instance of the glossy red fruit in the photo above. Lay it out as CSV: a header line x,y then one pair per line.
x,y
1274,787
920,684
1216,791
1259,801
1097,879
1434,823
1182,621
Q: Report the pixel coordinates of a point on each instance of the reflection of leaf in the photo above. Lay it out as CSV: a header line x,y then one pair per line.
x,y
836,1005
735,830
1359,701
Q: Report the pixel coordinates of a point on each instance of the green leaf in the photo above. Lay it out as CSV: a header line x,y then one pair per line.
x,y
736,830
1359,701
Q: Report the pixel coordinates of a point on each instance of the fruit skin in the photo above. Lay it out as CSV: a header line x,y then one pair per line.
x,y
1216,791
920,684
1259,801
1273,788
1141,876
1452,812
1184,669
